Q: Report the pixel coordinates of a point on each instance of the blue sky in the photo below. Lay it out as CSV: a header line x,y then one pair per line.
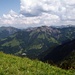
x,y
7,5
32,13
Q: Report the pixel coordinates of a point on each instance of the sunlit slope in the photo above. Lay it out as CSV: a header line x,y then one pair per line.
x,y
12,65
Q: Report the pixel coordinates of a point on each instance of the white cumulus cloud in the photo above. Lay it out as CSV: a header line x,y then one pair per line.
x,y
41,12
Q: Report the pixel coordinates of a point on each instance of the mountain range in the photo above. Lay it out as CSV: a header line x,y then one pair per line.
x,y
54,45
34,41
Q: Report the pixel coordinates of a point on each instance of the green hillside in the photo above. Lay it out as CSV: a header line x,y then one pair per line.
x,y
12,65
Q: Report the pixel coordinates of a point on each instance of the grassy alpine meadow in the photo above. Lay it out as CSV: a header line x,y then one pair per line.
x,y
13,65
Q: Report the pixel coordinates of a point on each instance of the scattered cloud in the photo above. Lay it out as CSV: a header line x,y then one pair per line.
x,y
37,7
41,12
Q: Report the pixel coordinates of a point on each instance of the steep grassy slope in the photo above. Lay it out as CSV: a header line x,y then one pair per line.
x,y
12,65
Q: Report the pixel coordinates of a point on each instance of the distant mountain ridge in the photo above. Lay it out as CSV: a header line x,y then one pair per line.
x,y
7,31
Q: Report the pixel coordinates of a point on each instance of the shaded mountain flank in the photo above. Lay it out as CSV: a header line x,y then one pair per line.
x,y
62,56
